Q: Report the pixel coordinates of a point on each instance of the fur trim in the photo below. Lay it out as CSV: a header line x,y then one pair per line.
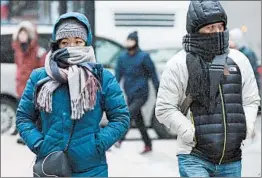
x,y
30,28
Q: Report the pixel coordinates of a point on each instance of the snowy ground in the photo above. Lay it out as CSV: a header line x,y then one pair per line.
x,y
17,160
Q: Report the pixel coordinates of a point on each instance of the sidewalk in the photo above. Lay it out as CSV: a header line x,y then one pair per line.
x,y
126,161
17,160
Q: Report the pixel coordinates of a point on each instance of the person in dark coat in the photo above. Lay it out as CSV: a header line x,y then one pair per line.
x,y
70,95
237,41
208,95
28,55
136,68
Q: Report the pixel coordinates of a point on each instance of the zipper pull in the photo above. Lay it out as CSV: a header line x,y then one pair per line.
x,y
226,71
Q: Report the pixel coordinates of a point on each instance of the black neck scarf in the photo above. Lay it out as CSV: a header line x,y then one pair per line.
x,y
206,61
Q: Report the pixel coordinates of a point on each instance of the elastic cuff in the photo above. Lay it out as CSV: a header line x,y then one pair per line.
x,y
37,146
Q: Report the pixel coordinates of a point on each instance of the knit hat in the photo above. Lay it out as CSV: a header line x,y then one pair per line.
x,y
70,27
133,36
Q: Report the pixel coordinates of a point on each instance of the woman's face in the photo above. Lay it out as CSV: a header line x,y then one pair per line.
x,y
23,36
71,42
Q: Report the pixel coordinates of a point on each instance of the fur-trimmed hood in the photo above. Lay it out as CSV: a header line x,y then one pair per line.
x,y
29,27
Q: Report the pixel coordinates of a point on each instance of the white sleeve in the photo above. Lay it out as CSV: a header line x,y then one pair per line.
x,y
250,96
169,97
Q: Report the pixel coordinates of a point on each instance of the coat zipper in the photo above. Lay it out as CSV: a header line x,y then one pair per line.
x,y
224,120
70,136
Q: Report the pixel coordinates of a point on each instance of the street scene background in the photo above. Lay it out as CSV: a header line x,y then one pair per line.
x,y
17,160
161,39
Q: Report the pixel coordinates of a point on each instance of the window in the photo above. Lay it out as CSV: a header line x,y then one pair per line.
x,y
107,52
7,53
142,19
44,40
23,10
162,55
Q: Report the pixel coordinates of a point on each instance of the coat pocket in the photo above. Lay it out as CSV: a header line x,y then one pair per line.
x,y
99,146
84,153
188,137
193,122
40,149
48,145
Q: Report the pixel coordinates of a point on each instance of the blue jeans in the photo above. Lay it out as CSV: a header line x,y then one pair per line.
x,y
192,166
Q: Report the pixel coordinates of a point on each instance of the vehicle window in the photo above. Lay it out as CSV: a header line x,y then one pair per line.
x,y
162,55
107,52
44,40
7,53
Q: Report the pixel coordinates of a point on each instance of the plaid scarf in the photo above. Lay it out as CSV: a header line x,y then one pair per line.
x,y
207,45
70,65
206,63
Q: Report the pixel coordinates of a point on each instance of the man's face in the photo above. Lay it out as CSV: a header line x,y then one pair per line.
x,y
213,28
130,43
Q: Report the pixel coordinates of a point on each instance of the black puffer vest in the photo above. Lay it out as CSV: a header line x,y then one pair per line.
x,y
218,136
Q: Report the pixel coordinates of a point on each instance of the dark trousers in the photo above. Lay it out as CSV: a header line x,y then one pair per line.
x,y
136,115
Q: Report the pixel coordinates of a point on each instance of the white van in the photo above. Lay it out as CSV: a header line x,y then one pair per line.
x,y
159,23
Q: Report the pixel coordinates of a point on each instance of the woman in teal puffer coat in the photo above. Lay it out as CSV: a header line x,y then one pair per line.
x,y
71,93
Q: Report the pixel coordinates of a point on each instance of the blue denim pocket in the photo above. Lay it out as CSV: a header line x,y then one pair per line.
x,y
192,166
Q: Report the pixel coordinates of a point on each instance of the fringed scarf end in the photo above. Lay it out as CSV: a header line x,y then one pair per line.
x,y
44,100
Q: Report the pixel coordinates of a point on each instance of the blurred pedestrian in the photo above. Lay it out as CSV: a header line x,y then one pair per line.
x,y
70,94
136,68
237,41
208,96
28,55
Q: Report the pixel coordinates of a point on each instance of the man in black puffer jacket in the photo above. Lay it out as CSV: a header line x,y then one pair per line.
x,y
221,94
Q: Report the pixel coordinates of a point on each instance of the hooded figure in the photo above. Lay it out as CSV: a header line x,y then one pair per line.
x,y
70,95
208,96
237,41
28,54
136,68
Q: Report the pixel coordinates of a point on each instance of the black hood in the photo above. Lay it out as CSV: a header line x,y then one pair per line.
x,y
202,13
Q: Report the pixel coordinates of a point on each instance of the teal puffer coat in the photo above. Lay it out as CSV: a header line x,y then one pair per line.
x,y
89,142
